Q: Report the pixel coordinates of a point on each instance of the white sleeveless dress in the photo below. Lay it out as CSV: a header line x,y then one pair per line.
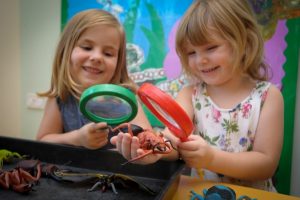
x,y
231,130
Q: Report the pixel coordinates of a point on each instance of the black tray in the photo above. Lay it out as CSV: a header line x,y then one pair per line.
x,y
158,176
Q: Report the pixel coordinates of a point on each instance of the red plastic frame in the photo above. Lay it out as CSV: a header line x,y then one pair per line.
x,y
148,92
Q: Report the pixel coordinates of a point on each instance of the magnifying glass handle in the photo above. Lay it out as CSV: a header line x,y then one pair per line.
x,y
183,139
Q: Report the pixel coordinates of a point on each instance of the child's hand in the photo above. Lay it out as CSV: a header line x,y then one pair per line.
x,y
128,146
92,136
196,152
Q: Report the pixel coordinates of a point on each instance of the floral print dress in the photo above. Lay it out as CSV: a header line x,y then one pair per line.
x,y
231,130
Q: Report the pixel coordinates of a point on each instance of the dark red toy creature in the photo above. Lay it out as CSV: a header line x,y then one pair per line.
x,y
22,178
149,141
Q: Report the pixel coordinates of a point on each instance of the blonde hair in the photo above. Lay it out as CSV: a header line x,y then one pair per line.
x,y
62,83
235,22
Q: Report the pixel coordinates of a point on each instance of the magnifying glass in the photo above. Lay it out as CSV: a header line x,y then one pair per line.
x,y
115,104
166,110
108,103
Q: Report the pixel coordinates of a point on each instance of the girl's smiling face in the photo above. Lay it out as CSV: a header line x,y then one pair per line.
x,y
211,62
95,56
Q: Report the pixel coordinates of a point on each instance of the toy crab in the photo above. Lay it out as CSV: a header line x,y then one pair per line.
x,y
151,142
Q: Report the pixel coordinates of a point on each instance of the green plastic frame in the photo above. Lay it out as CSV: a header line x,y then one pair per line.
x,y
111,90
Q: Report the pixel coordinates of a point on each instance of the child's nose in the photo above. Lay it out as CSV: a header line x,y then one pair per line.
x,y
96,56
202,59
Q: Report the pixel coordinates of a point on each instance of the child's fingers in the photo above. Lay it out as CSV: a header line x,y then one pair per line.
x,y
119,142
192,144
113,140
91,127
126,146
134,147
188,146
101,127
102,142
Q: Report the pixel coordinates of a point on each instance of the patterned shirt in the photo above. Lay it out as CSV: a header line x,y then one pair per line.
x,y
231,130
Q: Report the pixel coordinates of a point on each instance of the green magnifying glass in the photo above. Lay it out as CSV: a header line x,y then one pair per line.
x,y
108,103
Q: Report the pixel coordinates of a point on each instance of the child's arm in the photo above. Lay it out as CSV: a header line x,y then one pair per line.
x,y
258,164
51,128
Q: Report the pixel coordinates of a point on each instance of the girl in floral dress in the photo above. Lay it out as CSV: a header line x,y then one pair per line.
x,y
237,113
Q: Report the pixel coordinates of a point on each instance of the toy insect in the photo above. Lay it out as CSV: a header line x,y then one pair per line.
x,y
218,192
111,181
8,156
149,141
102,181
22,178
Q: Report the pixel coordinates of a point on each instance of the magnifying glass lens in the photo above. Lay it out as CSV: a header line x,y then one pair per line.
x,y
166,110
164,114
107,106
108,103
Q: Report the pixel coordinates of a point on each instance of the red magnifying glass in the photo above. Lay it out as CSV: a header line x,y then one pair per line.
x,y
166,110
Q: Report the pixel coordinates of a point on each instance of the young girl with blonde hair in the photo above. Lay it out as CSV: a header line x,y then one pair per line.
x,y
237,113
91,50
